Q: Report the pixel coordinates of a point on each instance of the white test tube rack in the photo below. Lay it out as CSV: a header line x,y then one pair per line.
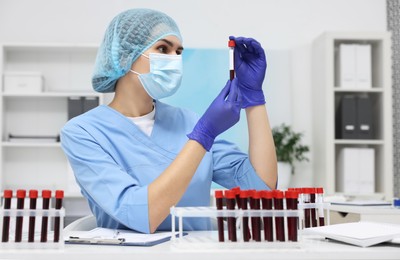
x,y
51,214
211,238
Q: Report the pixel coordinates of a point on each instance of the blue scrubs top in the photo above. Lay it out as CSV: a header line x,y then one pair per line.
x,y
114,162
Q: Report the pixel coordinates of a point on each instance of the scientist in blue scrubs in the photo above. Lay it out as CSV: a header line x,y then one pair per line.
x,y
137,156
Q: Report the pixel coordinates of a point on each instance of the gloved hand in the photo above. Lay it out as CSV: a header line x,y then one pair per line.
x,y
250,66
223,113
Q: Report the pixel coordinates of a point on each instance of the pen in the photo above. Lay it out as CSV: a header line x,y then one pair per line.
x,y
6,219
33,194
96,240
59,198
46,195
19,220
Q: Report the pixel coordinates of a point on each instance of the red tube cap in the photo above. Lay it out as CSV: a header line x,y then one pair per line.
x,y
33,194
256,195
46,194
320,190
236,190
8,194
21,194
59,194
229,194
231,43
266,194
219,194
244,194
278,194
291,194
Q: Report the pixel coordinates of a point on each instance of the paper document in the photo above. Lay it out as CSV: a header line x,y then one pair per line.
x,y
362,234
108,236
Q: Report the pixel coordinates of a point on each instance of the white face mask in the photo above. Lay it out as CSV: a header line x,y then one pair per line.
x,y
165,75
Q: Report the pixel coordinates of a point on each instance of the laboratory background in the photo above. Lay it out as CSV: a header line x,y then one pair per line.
x,y
51,45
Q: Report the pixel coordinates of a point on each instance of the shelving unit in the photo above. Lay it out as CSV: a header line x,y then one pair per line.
x,y
66,71
327,94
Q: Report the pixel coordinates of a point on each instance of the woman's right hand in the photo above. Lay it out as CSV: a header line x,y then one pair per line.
x,y
223,113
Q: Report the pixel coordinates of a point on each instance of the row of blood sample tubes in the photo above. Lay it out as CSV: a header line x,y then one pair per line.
x,y
265,200
33,197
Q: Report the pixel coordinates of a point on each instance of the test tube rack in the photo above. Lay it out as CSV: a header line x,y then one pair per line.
x,y
209,239
51,215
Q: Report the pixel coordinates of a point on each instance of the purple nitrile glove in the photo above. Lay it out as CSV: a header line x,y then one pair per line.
x,y
250,66
223,113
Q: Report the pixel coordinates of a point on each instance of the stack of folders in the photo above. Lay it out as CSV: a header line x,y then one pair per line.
x,y
354,117
354,66
361,234
356,170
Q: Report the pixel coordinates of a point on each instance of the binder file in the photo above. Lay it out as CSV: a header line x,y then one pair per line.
x,y
75,106
346,118
80,105
89,103
364,118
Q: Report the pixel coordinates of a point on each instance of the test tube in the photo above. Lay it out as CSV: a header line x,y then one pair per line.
x,y
19,220
59,198
320,199
307,212
279,221
219,196
33,194
244,195
266,198
230,198
46,195
256,221
236,190
291,204
314,222
231,45
6,219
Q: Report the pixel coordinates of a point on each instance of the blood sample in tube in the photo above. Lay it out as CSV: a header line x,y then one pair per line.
x,y
59,197
46,195
320,200
314,222
279,221
33,194
244,197
219,196
256,221
231,45
19,220
307,212
230,198
266,199
6,219
236,190
291,204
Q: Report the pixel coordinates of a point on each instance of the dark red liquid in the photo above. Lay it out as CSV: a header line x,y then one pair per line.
x,y
246,231
220,221
268,228
230,204
6,221
57,222
19,221
31,231
279,221
43,235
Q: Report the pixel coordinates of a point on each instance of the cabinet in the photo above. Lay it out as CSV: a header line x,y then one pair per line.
x,y
37,113
327,95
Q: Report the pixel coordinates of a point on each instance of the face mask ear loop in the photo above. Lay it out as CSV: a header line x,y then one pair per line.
x,y
134,72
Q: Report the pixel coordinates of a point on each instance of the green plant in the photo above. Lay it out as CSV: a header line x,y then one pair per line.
x,y
288,145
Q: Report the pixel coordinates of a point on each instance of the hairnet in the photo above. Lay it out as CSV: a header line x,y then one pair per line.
x,y
129,34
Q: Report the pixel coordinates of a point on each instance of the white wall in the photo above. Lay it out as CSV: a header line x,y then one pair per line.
x,y
286,25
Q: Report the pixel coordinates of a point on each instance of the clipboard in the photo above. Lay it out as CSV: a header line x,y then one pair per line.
x,y
106,236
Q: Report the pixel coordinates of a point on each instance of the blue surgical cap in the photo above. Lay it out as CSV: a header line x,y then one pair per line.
x,y
129,34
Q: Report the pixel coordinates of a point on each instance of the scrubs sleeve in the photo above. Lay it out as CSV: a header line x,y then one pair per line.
x,y
108,185
232,168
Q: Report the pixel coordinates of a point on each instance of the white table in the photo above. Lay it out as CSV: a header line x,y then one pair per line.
x,y
308,248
